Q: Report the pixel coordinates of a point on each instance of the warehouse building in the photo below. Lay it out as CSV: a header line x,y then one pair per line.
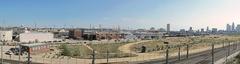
x,y
36,37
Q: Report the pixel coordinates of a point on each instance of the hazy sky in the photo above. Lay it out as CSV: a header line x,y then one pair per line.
x,y
125,13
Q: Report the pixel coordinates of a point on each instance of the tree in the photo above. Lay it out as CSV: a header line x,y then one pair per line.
x,y
77,51
65,50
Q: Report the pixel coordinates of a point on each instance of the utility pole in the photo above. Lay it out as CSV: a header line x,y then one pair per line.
x,y
107,56
226,54
93,57
108,50
223,45
2,52
179,52
187,50
3,42
29,57
228,48
166,52
19,53
212,53
237,45
2,49
93,53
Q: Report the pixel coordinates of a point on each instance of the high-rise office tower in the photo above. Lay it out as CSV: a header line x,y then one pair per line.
x,y
207,30
228,27
190,29
233,26
202,30
214,30
168,28
238,28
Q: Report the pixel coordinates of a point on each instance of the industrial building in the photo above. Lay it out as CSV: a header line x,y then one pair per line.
x,y
107,35
36,37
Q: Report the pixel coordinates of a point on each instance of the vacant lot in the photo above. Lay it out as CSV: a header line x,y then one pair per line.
x,y
175,42
103,50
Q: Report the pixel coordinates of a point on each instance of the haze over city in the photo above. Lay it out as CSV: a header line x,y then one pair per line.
x,y
119,32
131,14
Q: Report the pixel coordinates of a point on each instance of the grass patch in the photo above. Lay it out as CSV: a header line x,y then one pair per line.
x,y
80,51
110,47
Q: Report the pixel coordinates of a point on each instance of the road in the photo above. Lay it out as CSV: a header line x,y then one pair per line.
x,y
204,57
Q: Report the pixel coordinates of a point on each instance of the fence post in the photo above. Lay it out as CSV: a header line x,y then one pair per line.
x,y
212,53
107,56
187,50
29,57
93,57
179,52
166,52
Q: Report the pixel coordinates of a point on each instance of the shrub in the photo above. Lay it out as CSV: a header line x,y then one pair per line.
x,y
65,50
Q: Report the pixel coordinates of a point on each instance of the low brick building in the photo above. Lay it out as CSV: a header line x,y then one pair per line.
x,y
76,34
107,35
36,48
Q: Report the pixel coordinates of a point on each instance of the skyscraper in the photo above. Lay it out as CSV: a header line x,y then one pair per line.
x,y
190,29
214,30
207,29
238,28
228,28
233,26
168,28
202,30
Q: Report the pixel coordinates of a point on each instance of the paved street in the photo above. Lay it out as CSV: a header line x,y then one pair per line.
x,y
199,58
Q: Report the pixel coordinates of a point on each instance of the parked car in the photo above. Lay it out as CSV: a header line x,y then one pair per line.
x,y
8,53
16,51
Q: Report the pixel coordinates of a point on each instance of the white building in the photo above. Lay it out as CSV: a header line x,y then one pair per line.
x,y
148,34
36,36
6,35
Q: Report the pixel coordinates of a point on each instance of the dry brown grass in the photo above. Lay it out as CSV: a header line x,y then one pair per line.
x,y
174,42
